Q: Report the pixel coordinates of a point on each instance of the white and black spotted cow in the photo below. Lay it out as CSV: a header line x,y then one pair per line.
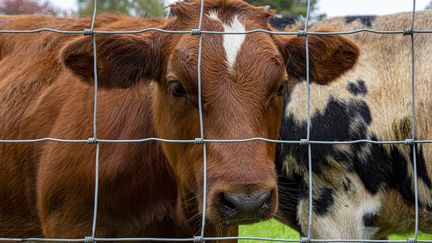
x,y
362,191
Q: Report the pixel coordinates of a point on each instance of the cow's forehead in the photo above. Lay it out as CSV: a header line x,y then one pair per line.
x,y
236,45
232,43
188,12
238,57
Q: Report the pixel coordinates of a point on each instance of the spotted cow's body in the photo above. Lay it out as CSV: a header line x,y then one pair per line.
x,y
362,190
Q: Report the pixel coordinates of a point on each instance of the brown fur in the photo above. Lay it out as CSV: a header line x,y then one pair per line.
x,y
146,189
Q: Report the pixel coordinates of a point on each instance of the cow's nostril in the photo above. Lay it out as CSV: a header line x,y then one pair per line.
x,y
226,202
244,208
265,199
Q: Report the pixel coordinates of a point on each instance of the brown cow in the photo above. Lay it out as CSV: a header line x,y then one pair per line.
x,y
148,89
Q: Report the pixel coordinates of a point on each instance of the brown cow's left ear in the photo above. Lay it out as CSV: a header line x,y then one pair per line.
x,y
330,56
122,60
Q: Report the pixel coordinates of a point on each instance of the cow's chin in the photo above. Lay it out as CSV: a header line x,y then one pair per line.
x,y
217,218
244,222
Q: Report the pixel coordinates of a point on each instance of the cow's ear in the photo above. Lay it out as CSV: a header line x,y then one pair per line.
x,y
330,56
122,60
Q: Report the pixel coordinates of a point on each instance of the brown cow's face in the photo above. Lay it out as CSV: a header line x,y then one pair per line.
x,y
243,78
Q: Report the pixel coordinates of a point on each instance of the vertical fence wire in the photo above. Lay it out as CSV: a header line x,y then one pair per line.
x,y
413,142
413,124
201,122
309,146
95,102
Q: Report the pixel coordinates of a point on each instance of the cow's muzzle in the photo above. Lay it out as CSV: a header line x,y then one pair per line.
x,y
241,208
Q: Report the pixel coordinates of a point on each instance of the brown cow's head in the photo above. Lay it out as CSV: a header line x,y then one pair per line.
x,y
243,79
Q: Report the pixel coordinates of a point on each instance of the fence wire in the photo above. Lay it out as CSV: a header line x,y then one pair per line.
x,y
411,31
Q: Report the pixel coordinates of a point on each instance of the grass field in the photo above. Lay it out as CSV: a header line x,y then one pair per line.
x,y
273,229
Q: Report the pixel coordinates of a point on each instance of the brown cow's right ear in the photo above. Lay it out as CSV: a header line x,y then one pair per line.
x,y
122,60
330,56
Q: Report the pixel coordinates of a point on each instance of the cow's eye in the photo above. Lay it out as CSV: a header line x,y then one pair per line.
x,y
281,90
177,88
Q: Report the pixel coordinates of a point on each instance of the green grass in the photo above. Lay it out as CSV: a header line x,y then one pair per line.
x,y
268,229
274,229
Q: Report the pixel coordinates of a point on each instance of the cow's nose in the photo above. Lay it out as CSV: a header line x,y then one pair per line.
x,y
244,208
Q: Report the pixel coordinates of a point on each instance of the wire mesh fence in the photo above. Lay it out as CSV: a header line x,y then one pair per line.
x,y
202,140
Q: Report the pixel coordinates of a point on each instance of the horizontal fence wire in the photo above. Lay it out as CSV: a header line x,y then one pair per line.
x,y
205,239
200,141
208,32
203,141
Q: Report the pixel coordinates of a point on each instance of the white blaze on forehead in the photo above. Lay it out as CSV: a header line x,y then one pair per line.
x,y
232,43
214,15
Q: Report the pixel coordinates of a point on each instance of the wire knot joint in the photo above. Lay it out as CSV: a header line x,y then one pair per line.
x,y
411,240
199,141
88,32
195,32
89,239
92,141
301,33
305,240
408,31
304,142
409,141
198,239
